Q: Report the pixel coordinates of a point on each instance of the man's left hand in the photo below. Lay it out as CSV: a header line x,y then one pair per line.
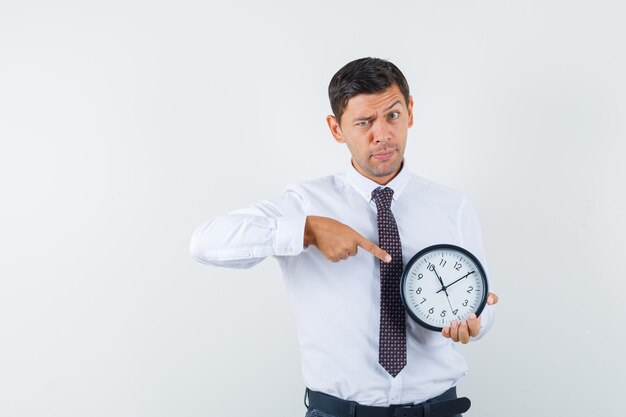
x,y
461,332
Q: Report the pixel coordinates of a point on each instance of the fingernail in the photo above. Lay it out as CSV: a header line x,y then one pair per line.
x,y
388,258
473,316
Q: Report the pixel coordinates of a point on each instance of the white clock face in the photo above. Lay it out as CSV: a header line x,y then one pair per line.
x,y
443,283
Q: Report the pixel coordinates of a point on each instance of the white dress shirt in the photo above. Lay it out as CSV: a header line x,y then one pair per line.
x,y
337,305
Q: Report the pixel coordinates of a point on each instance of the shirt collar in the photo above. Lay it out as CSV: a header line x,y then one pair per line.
x,y
364,186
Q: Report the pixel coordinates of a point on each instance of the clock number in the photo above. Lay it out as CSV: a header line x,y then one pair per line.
x,y
442,263
423,301
443,313
420,276
419,290
432,310
457,266
455,311
465,303
470,289
431,267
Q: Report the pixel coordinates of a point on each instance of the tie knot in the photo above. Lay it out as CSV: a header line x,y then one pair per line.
x,y
382,197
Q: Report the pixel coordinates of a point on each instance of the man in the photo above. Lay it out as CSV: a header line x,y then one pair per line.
x,y
360,356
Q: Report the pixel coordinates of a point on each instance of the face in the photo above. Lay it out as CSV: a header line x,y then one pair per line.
x,y
375,128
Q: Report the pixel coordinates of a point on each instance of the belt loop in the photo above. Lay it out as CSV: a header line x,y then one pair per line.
x,y
352,408
426,409
306,397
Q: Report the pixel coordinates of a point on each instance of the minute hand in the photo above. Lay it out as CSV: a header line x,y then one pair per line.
x,y
445,287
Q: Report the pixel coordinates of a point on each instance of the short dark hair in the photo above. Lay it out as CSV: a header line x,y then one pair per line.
x,y
364,76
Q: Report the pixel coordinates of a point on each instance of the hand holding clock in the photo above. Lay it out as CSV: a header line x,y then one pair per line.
x,y
338,241
461,332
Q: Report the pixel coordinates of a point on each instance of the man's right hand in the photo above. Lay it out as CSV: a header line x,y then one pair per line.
x,y
337,241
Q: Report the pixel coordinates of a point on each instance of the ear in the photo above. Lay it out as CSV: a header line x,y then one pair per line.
x,y
410,109
335,129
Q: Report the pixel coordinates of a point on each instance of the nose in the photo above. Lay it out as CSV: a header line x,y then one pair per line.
x,y
380,132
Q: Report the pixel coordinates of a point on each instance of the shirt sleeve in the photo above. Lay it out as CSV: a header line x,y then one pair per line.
x,y
471,237
243,238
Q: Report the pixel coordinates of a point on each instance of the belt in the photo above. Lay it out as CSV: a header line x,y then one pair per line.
x,y
445,405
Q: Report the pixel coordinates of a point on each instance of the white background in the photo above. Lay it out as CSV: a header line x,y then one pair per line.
x,y
126,124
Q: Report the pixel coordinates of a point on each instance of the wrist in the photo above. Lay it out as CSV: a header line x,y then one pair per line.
x,y
309,236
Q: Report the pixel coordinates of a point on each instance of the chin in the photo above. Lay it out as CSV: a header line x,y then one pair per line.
x,y
387,168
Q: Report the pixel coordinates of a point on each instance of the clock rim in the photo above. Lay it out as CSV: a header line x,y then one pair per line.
x,y
432,248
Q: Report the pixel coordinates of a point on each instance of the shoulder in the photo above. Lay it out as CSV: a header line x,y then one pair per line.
x,y
432,190
322,185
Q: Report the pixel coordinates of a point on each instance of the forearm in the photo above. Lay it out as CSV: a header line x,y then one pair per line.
x,y
240,240
245,237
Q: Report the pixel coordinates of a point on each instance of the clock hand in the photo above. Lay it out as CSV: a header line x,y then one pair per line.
x,y
439,278
449,303
445,287
464,276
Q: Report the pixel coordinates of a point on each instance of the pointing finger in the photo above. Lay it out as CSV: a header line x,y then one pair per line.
x,y
373,249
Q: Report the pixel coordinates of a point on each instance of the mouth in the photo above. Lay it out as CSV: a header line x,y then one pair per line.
x,y
384,155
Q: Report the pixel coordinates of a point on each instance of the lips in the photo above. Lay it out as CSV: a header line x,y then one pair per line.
x,y
386,154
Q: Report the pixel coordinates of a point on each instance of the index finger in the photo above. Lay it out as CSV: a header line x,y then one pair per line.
x,y
373,249
473,323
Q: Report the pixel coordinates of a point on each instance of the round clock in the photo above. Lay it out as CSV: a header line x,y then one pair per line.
x,y
442,283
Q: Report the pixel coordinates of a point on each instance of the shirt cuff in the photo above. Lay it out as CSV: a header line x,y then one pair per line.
x,y
289,236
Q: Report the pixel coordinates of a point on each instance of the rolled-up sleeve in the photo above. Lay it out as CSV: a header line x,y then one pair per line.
x,y
243,238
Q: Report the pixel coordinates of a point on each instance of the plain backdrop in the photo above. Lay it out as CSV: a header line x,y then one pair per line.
x,y
126,124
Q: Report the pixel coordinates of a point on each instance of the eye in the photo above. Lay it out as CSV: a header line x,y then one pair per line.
x,y
362,123
394,115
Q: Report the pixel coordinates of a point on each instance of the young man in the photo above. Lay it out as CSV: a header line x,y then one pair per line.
x,y
361,355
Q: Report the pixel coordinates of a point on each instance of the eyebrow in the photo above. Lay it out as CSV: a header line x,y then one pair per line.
x,y
356,119
394,103
362,118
